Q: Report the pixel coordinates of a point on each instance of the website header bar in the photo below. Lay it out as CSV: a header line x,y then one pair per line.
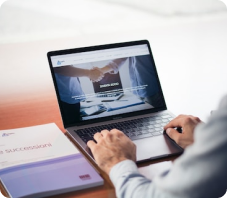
x,y
99,55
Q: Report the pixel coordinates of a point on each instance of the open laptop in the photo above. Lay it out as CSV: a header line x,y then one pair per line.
x,y
140,113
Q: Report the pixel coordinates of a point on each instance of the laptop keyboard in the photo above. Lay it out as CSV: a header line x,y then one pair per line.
x,y
134,129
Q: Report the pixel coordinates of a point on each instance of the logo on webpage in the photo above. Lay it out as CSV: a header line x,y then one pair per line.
x,y
60,62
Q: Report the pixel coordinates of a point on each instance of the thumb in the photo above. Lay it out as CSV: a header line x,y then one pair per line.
x,y
173,134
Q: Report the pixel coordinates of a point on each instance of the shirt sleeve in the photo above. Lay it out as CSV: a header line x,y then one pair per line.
x,y
116,64
127,180
199,172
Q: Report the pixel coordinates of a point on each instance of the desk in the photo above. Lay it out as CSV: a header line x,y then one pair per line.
x,y
44,109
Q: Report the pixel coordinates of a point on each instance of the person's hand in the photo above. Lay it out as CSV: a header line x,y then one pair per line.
x,y
112,147
187,125
95,74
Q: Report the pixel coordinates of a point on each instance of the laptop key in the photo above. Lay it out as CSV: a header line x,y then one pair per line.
x,y
138,133
151,126
87,139
145,131
157,118
165,120
152,130
159,129
132,130
156,133
166,116
131,135
146,124
163,124
144,128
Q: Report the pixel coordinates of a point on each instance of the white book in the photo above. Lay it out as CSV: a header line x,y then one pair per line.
x,y
41,161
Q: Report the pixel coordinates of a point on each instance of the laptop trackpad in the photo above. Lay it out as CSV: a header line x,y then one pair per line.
x,y
156,147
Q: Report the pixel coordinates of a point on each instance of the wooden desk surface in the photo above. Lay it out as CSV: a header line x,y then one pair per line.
x,y
41,109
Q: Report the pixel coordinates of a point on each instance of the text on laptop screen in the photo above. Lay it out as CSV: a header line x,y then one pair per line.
x,y
106,82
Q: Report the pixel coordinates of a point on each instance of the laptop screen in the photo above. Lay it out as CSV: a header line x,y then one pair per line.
x,y
105,82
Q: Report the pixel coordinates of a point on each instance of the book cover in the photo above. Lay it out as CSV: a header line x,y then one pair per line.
x,y
40,161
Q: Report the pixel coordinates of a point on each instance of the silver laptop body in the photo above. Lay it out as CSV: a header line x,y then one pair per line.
x,y
140,111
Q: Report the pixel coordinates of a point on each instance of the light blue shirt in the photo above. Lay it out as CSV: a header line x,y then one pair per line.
x,y
201,172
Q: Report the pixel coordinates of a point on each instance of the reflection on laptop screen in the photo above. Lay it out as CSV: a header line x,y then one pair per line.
x,y
106,82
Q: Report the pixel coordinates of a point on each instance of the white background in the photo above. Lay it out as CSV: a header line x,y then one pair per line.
x,y
189,49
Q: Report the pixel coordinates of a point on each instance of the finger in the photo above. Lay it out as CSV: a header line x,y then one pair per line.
x,y
91,144
110,135
97,136
117,133
195,118
177,122
104,133
173,134
115,130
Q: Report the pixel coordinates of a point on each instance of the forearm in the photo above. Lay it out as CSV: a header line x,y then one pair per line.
x,y
178,183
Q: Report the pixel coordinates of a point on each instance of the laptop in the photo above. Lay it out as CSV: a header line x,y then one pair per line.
x,y
140,112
